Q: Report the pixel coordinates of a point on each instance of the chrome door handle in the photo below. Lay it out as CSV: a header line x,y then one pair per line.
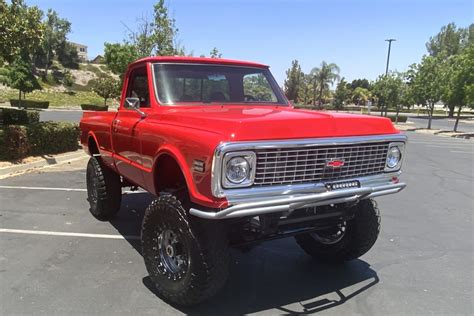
x,y
115,125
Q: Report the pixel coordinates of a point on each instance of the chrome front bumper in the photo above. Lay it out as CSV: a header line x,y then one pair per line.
x,y
258,201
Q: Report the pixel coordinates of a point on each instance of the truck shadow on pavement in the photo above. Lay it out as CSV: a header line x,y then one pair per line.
x,y
273,275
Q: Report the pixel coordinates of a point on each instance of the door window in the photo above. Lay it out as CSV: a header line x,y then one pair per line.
x,y
138,87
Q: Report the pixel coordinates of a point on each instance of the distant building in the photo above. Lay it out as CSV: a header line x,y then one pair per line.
x,y
81,51
98,60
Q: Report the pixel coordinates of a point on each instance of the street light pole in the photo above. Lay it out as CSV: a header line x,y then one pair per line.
x,y
390,40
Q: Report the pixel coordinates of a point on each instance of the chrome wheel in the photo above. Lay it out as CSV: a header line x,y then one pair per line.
x,y
174,259
331,236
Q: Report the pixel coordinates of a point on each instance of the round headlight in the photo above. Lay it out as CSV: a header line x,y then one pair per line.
x,y
237,170
393,157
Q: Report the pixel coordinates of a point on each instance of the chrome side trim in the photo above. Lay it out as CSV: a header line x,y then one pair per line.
x,y
223,148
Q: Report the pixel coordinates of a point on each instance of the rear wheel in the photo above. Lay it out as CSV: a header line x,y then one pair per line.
x,y
104,190
347,240
187,258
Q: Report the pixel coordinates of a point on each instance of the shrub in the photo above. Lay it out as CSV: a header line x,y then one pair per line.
x,y
401,118
3,154
30,104
94,107
39,139
16,142
19,117
52,137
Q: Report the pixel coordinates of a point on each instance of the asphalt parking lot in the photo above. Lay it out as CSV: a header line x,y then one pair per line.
x,y
55,258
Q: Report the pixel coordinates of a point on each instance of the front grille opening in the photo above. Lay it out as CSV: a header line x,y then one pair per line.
x,y
295,165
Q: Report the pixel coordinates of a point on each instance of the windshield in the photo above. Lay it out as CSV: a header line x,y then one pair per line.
x,y
188,83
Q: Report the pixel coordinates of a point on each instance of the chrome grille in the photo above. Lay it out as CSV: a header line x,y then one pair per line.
x,y
295,165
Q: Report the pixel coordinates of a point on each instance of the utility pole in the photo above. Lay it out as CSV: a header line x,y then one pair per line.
x,y
390,40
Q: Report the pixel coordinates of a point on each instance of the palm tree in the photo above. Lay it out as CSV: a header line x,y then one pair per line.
x,y
322,77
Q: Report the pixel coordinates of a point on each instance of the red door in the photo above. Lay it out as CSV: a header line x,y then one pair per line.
x,y
126,128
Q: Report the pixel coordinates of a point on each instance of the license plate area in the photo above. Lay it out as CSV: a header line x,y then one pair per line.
x,y
341,185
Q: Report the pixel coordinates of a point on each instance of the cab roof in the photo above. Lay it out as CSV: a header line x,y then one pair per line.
x,y
197,60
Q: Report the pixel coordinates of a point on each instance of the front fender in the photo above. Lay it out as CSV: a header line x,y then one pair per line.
x,y
186,168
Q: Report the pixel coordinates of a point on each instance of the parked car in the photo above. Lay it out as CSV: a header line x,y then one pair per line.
x,y
232,163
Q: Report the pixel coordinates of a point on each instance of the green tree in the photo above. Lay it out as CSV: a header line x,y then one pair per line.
x,y
363,83
342,94
21,30
165,31
304,91
458,81
156,35
360,95
55,32
323,77
118,56
106,87
68,80
215,53
294,76
427,83
450,41
19,75
67,55
387,89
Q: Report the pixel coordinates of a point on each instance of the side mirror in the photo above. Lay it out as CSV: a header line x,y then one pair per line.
x,y
134,104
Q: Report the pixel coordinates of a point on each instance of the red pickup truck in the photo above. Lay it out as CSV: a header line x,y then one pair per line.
x,y
232,163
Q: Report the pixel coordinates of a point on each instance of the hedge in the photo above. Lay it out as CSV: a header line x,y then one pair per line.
x,y
3,154
94,107
19,117
29,104
40,139
16,142
401,118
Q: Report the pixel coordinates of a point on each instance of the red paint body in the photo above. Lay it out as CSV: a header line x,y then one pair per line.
x,y
131,145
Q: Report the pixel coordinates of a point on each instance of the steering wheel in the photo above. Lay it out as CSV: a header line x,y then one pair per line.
x,y
248,97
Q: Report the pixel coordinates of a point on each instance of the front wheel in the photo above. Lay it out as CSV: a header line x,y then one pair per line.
x,y
186,257
348,240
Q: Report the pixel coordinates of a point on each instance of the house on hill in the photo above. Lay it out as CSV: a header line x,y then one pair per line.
x,y
81,51
99,59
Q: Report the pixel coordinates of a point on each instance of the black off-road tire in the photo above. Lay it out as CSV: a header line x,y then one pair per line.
x,y
360,235
104,190
204,242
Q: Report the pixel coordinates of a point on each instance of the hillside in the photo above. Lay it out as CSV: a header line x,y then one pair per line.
x,y
60,96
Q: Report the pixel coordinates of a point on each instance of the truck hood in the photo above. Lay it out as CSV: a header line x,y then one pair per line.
x,y
244,123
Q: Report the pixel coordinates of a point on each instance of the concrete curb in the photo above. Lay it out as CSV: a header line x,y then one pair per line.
x,y
437,132
47,160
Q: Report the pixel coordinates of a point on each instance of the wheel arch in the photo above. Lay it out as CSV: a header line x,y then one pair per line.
x,y
92,145
169,170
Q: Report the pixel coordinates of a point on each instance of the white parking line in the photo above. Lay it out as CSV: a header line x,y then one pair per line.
x,y
447,146
40,188
462,152
66,234
56,189
442,142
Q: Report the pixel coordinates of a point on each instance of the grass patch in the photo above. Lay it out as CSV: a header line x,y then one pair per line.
x,y
57,99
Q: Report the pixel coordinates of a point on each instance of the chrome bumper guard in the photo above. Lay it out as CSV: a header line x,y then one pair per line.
x,y
293,201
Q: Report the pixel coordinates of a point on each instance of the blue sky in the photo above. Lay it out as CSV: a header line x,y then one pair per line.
x,y
348,33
